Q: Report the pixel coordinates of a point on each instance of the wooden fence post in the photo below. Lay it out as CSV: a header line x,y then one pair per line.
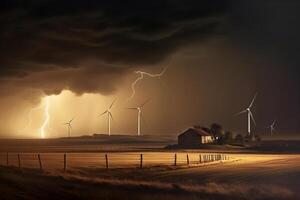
x,y
19,160
175,160
187,159
7,162
65,162
141,163
106,161
40,162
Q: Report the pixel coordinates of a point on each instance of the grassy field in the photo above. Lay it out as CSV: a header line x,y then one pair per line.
x,y
103,143
245,175
28,184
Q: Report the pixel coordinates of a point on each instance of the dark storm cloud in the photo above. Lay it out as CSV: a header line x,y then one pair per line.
x,y
55,35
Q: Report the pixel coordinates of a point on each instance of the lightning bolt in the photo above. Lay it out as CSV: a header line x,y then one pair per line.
x,y
47,117
29,117
141,76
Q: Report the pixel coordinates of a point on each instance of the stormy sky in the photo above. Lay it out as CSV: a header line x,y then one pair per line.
x,y
218,53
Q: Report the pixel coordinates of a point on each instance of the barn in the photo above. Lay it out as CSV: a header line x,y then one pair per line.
x,y
194,137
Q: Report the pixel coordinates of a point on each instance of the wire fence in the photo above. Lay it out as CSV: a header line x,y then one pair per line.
x,y
64,161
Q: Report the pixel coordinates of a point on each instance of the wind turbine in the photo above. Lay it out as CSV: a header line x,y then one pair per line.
x,y
109,116
139,109
271,127
69,126
249,114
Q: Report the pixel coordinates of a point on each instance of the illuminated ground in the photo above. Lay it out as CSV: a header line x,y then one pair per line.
x,y
247,175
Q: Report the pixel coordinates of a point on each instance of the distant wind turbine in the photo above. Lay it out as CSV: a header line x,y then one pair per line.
x,y
271,127
139,109
249,114
69,126
109,116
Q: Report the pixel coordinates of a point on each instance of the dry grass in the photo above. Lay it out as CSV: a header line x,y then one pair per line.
x,y
31,184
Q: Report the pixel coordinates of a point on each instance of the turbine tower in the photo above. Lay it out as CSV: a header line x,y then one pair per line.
x,y
271,127
249,114
139,116
109,116
69,126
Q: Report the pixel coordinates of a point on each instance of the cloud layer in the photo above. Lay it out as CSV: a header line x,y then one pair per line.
x,y
85,46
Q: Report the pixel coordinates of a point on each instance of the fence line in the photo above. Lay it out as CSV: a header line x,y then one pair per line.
x,y
106,161
19,160
40,162
114,160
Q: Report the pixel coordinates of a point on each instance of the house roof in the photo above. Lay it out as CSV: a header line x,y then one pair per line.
x,y
197,131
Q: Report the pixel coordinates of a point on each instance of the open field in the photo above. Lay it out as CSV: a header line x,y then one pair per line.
x,y
101,143
249,174
121,143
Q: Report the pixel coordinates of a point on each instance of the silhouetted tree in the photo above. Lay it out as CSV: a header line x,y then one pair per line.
x,y
228,136
239,139
217,131
257,138
248,138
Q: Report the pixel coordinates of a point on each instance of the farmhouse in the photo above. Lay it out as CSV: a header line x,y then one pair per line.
x,y
194,137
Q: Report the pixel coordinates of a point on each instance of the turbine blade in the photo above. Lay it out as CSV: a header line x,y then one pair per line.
x,y
252,100
274,122
111,116
111,105
145,102
244,111
71,120
252,118
132,108
102,113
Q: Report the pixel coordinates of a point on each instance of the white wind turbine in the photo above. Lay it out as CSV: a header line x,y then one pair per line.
x,y
109,116
271,127
69,126
249,114
139,116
